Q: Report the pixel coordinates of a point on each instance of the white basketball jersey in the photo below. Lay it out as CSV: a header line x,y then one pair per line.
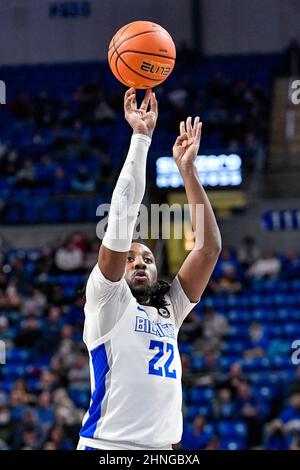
x,y
135,367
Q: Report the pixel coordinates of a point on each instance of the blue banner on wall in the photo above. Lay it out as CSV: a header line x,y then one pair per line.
x,y
288,219
69,9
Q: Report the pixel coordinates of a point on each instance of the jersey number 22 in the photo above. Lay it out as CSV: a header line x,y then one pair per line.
x,y
158,370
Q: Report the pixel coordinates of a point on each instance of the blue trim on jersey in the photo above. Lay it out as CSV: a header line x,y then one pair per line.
x,y
101,368
141,309
89,448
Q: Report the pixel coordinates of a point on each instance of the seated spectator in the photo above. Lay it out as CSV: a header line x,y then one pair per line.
x,y
250,411
257,343
227,283
268,266
214,324
232,380
66,413
7,427
290,416
224,406
82,182
45,171
34,303
79,374
30,434
68,258
29,334
291,265
26,176
198,435
57,436
59,182
45,411
283,432
191,329
248,252
91,255
104,113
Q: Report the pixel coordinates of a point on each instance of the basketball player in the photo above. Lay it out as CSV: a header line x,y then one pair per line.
x,y
132,319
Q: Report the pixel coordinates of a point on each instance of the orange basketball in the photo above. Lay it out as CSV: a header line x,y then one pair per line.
x,y
141,54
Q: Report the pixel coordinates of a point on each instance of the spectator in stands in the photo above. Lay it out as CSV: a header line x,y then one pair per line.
x,y
66,413
91,255
30,434
21,108
68,258
197,436
35,302
283,432
26,176
248,252
291,265
7,427
249,410
268,266
5,332
82,182
29,334
232,380
45,411
191,329
224,406
290,416
104,113
257,343
48,381
60,184
79,374
45,171
214,324
57,435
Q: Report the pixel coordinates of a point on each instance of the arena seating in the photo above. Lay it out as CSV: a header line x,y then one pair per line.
x,y
272,303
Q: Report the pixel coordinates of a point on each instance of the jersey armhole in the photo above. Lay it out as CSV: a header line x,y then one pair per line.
x,y
115,328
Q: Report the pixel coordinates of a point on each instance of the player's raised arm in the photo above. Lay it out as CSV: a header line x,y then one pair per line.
x,y
197,268
130,187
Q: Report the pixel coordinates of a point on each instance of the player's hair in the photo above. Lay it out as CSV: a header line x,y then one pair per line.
x,y
157,298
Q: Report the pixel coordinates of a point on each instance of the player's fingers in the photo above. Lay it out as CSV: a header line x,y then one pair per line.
x,y
146,100
195,126
198,131
181,138
128,99
153,102
132,101
189,126
182,127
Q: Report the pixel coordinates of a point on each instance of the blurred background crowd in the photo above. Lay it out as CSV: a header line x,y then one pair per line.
x,y
241,389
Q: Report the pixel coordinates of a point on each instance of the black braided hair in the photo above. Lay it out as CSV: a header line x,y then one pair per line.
x,y
157,297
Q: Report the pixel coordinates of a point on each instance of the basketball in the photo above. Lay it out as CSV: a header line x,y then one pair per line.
x,y
141,54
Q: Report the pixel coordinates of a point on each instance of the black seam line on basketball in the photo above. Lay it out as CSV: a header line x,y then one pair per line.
x,y
134,36
128,26
122,79
149,53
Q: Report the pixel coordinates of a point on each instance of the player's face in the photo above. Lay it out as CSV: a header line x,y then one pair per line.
x,y
141,269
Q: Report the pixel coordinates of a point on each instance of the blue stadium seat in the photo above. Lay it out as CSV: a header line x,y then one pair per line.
x,y
201,394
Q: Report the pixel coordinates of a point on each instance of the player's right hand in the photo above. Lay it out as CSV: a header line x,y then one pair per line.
x,y
141,120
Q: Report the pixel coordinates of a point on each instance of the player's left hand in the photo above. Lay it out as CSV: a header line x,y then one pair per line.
x,y
187,143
